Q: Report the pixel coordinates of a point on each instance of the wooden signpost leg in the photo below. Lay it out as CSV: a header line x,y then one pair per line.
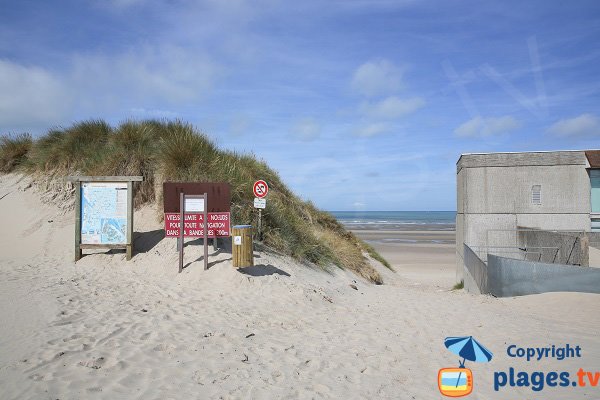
x,y
129,220
206,231
181,227
260,225
77,221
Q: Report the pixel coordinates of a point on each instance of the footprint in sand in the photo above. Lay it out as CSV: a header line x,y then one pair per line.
x,y
95,363
164,347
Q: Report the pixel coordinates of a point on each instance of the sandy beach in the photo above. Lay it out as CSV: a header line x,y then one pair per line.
x,y
420,257
105,328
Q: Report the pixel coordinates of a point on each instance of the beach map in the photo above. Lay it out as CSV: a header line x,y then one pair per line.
x,y
104,213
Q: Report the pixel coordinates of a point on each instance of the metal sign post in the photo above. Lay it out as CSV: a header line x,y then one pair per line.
x,y
194,204
260,189
260,225
260,204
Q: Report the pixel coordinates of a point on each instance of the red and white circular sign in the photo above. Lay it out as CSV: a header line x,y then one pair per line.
x,y
260,189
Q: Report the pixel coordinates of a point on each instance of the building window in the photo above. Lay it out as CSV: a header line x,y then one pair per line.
x,y
595,184
536,194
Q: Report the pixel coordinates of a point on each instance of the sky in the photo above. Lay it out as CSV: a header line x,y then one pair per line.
x,y
359,105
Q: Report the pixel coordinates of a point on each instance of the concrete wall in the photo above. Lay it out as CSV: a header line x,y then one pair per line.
x,y
507,190
475,273
459,249
494,193
508,277
573,247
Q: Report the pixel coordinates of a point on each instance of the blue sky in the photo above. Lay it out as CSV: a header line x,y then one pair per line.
x,y
360,105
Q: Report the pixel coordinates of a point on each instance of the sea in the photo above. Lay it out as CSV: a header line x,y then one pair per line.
x,y
397,220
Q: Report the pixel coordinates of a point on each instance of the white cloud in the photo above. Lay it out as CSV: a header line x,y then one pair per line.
x,y
169,73
483,127
306,129
377,77
155,113
585,125
373,129
392,107
30,96
145,81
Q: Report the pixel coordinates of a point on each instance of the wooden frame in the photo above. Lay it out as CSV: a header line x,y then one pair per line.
x,y
182,198
128,246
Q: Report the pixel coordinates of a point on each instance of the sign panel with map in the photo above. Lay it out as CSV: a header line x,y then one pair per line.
x,y
104,213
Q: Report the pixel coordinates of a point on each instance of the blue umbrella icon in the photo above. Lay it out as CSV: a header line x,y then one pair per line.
x,y
467,348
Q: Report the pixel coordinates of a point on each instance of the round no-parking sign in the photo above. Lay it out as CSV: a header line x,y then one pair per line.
x,y
260,189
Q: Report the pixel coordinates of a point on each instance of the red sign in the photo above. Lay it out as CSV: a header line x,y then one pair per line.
x,y
218,224
260,189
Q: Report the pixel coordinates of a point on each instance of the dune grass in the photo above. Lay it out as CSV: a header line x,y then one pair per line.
x,y
13,151
175,151
459,285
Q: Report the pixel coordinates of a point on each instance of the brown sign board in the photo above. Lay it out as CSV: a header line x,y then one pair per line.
x,y
219,195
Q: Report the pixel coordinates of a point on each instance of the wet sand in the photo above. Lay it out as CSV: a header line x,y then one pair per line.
x,y
422,257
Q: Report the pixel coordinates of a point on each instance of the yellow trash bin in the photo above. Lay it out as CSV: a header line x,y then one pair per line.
x,y
242,246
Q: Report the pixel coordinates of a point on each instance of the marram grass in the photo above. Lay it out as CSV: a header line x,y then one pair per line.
x,y
175,151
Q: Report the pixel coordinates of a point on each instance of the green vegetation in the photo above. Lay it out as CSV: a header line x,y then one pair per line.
x,y
13,150
375,255
459,285
175,151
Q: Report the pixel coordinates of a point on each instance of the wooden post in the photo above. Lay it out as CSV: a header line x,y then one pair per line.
x,y
128,245
260,225
242,252
129,249
182,198
181,227
205,231
77,221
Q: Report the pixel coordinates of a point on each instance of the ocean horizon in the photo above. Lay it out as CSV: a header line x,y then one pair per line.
x,y
397,220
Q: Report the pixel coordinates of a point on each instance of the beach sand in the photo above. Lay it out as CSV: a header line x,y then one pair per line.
x,y
421,257
105,328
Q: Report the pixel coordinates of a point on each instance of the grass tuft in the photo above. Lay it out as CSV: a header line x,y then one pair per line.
x,y
175,151
375,255
13,151
459,285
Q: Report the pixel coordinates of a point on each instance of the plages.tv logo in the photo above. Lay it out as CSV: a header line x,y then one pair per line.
x,y
457,382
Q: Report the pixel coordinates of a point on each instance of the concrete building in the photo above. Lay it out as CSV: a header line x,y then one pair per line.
x,y
499,194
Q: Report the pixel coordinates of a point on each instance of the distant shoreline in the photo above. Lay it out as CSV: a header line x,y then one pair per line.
x,y
400,227
394,221
390,222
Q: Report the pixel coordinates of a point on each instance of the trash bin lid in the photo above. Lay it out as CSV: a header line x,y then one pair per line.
x,y
242,226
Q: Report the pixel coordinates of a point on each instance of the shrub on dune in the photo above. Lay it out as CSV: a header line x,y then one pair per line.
x,y
13,151
175,151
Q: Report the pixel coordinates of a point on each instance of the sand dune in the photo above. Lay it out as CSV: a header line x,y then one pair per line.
x,y
106,328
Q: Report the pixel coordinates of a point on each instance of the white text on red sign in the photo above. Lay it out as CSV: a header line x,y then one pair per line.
x,y
218,224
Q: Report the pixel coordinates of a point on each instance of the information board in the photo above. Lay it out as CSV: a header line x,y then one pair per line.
x,y
194,205
218,224
104,213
